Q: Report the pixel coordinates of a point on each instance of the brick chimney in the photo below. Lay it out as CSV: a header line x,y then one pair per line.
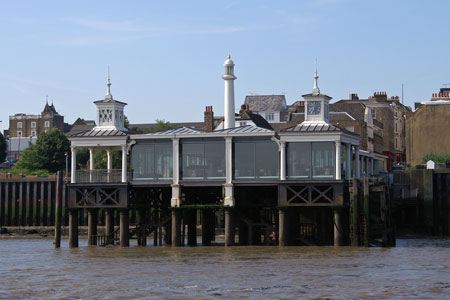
x,y
208,123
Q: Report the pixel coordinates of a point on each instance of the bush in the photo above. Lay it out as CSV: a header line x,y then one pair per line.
x,y
436,157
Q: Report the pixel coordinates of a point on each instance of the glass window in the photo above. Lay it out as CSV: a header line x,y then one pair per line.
x,y
255,159
19,124
323,155
269,116
241,124
33,124
298,160
152,161
47,123
203,159
19,133
33,133
374,113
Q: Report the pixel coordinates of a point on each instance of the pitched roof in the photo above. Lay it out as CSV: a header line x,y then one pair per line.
x,y
266,102
245,129
316,128
99,133
179,130
258,120
147,126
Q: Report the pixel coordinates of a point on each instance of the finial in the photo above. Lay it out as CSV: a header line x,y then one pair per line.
x,y
316,90
46,99
108,87
229,56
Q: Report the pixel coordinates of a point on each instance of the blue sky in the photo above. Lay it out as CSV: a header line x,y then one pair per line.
x,y
166,57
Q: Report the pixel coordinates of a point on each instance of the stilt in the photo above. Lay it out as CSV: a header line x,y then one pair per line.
x,y
58,213
109,226
73,228
92,227
142,238
176,228
192,227
229,227
282,227
206,227
243,238
338,228
124,228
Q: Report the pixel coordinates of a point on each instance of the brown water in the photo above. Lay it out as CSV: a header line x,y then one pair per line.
x,y
415,269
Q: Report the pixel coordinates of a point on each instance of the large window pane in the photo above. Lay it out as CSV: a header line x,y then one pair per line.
x,y
323,155
244,160
192,157
164,161
298,160
267,157
214,160
255,159
203,159
152,161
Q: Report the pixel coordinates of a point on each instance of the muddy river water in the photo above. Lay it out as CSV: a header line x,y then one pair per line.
x,y
415,269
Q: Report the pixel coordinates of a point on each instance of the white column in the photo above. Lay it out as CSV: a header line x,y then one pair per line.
x,y
228,186
73,166
91,164
109,159
124,163
229,120
338,160
175,201
282,160
358,168
348,160
176,160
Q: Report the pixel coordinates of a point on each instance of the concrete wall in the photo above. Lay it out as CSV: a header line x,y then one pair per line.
x,y
427,130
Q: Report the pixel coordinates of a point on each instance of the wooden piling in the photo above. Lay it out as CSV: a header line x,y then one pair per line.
x,y
124,228
92,227
192,227
354,230
229,227
109,226
141,216
57,209
20,210
42,199
73,228
338,227
207,215
35,205
176,227
28,221
7,213
282,227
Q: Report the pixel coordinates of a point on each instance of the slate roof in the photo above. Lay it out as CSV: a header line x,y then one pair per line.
x,y
180,130
185,130
245,129
334,116
146,126
266,102
100,133
316,128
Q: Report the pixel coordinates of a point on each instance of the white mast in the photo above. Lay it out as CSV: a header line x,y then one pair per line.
x,y
229,120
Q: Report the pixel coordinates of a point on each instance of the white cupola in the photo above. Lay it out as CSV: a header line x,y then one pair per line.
x,y
110,112
316,104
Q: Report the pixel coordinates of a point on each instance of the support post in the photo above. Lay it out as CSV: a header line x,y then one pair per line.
x,y
176,160
124,163
176,228
109,163
348,161
229,227
73,228
207,227
282,226
354,212
91,164
142,237
92,227
192,227
282,160
109,226
357,163
338,227
338,160
73,165
124,228
58,212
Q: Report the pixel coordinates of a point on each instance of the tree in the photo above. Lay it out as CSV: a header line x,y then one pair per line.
x,y
160,125
3,148
47,154
436,157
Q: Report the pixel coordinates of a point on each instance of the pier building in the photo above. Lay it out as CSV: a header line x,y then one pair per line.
x,y
285,187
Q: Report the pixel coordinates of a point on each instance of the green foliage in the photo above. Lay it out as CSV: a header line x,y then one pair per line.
x,y
161,125
82,156
46,154
19,171
436,157
3,147
101,160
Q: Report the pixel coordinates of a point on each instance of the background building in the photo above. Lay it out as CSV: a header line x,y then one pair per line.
x,y
427,128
